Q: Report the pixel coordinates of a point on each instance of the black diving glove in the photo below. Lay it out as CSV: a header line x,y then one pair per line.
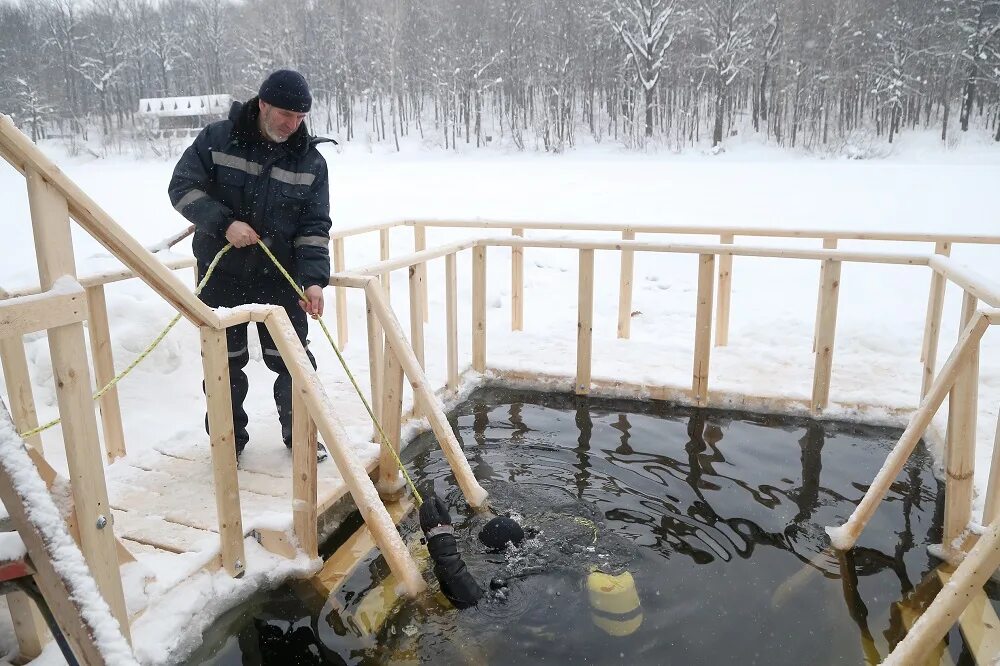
x,y
456,582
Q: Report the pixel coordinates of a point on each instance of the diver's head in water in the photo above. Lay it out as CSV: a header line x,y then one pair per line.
x,y
501,531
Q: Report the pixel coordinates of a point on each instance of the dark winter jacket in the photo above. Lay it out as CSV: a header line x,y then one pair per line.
x,y
231,172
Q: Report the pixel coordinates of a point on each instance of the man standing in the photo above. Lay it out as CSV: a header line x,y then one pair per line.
x,y
258,176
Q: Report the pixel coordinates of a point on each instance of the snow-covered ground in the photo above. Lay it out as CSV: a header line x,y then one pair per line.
x,y
921,188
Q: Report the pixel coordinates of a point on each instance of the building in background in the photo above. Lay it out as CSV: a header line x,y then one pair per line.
x,y
182,116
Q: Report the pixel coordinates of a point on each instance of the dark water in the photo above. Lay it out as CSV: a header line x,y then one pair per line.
x,y
716,516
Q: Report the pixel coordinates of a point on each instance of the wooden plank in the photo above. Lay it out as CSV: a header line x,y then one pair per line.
x,y
825,335
516,284
986,293
991,508
725,291
341,293
968,342
828,244
932,325
214,353
975,283
714,230
451,319
104,229
479,308
157,532
950,603
960,444
60,593
304,476
108,277
390,483
355,550
67,347
419,245
474,493
625,288
980,625
104,371
18,383
383,253
30,314
375,371
585,322
703,328
405,261
29,625
416,321
338,443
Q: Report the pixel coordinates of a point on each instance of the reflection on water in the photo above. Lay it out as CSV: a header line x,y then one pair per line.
x,y
705,529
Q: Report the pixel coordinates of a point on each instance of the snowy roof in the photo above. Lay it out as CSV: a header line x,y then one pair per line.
x,y
197,105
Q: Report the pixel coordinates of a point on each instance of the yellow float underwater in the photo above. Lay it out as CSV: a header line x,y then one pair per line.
x,y
614,603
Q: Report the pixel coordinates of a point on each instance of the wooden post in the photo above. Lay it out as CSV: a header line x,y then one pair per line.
x,y
375,360
383,254
54,251
968,580
341,293
18,382
585,322
31,516
104,371
828,244
846,535
991,509
825,334
517,284
451,319
479,308
932,327
625,288
475,495
417,321
215,359
390,482
725,290
353,472
703,328
419,245
304,475
960,445
416,314
29,625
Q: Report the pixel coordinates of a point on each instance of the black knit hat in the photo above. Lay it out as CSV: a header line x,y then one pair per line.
x,y
286,89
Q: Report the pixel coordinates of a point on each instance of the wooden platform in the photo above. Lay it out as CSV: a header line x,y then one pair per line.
x,y
167,502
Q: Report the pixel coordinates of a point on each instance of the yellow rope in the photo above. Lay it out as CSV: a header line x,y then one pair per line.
x,y
350,375
145,352
159,338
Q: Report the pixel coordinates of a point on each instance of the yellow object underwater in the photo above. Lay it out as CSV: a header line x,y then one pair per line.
x,y
614,602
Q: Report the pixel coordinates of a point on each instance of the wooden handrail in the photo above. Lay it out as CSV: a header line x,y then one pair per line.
x,y
27,158
846,535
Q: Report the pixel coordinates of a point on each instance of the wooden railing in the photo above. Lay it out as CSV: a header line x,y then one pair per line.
x,y
722,297
958,378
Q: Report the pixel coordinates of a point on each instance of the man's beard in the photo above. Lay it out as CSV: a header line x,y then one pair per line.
x,y
269,133
272,137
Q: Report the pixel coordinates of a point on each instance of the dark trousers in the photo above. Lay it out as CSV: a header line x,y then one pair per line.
x,y
226,291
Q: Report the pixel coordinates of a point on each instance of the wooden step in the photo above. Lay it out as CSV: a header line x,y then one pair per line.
x,y
357,549
980,626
